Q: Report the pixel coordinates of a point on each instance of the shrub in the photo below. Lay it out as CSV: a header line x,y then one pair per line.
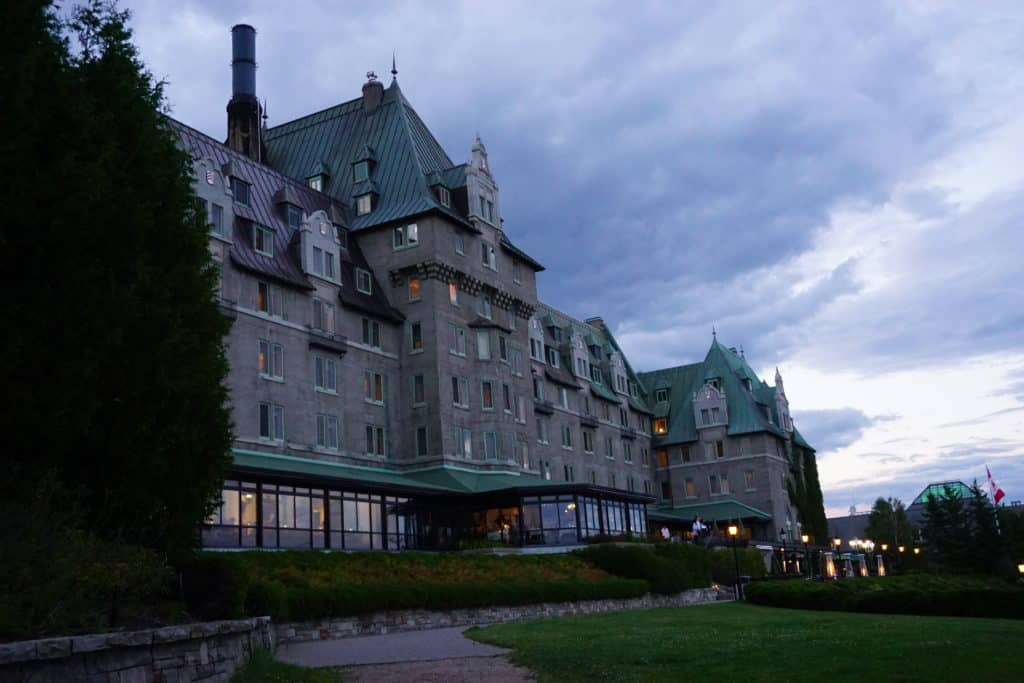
x,y
913,594
723,564
667,570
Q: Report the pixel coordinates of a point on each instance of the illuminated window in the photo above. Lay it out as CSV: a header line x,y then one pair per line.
x,y
417,337
660,425
373,387
414,289
663,457
453,294
364,204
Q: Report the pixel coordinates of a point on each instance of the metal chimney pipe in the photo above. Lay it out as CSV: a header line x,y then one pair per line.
x,y
243,61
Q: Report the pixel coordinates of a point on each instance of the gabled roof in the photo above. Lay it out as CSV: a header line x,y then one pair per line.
x,y
376,303
265,186
715,511
749,410
404,149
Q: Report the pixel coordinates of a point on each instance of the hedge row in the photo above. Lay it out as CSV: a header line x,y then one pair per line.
x,y
228,586
723,564
913,594
668,567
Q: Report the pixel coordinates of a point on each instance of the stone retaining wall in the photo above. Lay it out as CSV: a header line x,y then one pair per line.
x,y
208,652
418,620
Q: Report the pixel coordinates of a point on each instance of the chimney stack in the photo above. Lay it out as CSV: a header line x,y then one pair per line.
x,y
373,93
244,134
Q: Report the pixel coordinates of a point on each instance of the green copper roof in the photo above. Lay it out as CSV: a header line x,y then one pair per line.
x,y
717,511
467,481
404,149
749,409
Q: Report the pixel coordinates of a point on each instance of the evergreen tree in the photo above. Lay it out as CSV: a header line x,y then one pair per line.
x,y
114,365
888,523
804,491
948,531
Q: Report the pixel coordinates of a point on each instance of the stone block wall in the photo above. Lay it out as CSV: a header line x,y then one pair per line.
x,y
418,620
208,652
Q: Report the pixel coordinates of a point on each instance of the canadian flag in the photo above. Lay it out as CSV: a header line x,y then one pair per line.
x,y
997,493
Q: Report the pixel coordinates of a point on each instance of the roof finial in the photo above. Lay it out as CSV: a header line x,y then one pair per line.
x,y
394,69
742,355
714,332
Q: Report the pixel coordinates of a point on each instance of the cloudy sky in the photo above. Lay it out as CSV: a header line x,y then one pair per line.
x,y
837,187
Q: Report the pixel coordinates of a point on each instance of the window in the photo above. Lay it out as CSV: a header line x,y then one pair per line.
x,y
364,283
538,389
611,479
662,457
329,265
323,316
460,392
581,368
271,418
714,486
566,437
373,387
240,190
405,236
556,334
552,357
520,409
414,289
456,340
483,345
691,489
705,416
517,362
216,218
364,204
595,374
503,348
262,240
326,375
342,234
463,442
542,430
486,396
460,244
627,451
709,451
593,477
724,479
371,333
586,405
588,441
487,256
536,350
666,491
490,445
517,272
623,417
421,441
416,337
661,395
376,443
316,182
360,171
645,458
720,449
318,261
444,196
293,215
686,454
715,416
270,299
271,360
485,307
629,484
609,448
419,396
327,431
453,294
660,425
563,397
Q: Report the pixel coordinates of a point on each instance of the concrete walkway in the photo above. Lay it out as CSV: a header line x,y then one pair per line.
x,y
411,646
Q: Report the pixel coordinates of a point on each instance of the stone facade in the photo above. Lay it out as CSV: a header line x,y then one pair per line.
x,y
418,620
210,652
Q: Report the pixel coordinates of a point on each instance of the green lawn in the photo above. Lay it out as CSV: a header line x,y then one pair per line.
x,y
739,642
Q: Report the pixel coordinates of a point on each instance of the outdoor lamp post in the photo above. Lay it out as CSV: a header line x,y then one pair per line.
x,y
1020,568
807,554
885,547
837,542
917,551
902,548
734,532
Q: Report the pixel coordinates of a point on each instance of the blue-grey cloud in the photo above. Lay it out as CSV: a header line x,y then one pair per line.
x,y
830,430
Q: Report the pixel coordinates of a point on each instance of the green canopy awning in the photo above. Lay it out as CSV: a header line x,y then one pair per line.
x,y
717,511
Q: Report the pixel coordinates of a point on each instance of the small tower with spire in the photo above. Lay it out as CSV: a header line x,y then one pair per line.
x,y
481,190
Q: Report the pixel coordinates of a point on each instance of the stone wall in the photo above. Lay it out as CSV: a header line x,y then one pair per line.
x,y
418,620
209,652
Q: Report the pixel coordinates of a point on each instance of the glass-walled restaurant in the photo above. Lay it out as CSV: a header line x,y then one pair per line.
x,y
266,514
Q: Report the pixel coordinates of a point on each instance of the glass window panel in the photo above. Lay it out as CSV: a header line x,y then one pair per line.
x,y
229,509
351,516
302,512
248,501
286,511
549,515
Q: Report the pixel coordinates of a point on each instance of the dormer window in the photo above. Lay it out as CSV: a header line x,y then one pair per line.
x,y
444,196
316,182
661,396
364,283
556,334
660,425
364,204
595,374
405,236
360,171
552,357
293,215
262,240
240,190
